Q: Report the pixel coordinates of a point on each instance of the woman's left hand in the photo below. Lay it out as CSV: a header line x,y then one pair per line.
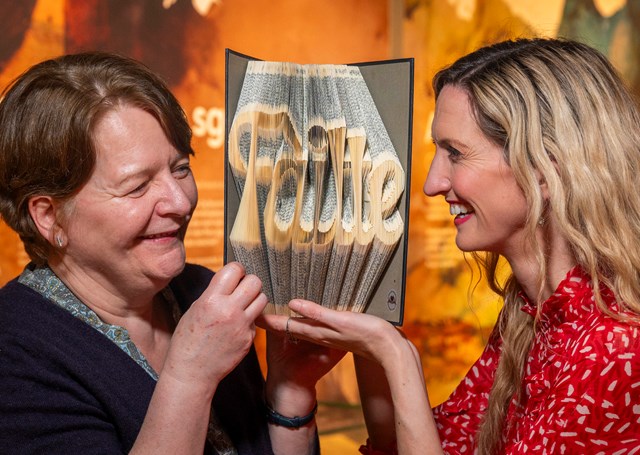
x,y
294,368
299,361
385,346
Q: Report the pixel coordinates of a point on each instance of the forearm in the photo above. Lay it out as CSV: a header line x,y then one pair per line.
x,y
394,399
377,404
176,421
414,423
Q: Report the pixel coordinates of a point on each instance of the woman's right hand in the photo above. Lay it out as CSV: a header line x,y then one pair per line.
x,y
215,334
212,337
398,407
363,334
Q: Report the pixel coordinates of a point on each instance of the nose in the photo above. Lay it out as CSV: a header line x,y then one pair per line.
x,y
179,197
438,178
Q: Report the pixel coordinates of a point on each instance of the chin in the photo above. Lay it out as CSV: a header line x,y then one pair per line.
x,y
178,267
170,267
471,239
465,247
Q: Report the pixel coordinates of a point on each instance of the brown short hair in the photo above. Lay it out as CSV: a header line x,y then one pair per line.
x,y
47,116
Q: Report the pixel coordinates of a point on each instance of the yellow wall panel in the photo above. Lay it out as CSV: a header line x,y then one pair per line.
x,y
446,316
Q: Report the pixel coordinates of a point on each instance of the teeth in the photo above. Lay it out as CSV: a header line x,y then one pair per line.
x,y
457,209
157,236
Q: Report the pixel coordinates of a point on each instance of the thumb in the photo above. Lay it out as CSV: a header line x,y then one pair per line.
x,y
226,280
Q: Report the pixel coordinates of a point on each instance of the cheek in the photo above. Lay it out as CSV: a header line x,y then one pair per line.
x,y
468,185
122,222
514,204
191,190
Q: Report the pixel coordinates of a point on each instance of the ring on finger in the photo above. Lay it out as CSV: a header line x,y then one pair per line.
x,y
290,337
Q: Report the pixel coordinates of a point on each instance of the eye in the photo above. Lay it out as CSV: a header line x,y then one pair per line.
x,y
182,170
454,153
138,190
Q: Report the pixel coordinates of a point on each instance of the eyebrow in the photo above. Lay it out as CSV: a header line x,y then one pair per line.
x,y
127,175
448,142
131,172
125,178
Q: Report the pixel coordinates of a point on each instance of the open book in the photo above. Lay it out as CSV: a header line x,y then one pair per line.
x,y
315,189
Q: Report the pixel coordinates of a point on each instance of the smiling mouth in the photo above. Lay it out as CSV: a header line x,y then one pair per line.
x,y
459,210
161,235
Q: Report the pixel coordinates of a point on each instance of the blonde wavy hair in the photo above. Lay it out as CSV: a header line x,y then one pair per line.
x,y
563,115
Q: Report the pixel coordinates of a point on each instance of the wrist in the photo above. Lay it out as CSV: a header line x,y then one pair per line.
x,y
187,387
397,351
275,418
289,398
290,401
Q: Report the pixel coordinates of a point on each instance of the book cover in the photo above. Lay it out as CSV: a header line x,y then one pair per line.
x,y
317,174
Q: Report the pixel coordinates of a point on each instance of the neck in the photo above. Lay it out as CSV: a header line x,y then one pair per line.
x,y
112,302
559,260
145,315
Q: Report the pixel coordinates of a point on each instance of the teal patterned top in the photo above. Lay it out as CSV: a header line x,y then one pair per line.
x,y
46,283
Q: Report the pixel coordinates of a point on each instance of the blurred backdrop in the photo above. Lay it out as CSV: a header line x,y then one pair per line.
x,y
447,316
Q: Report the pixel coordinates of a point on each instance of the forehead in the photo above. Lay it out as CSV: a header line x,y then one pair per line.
x,y
453,118
129,137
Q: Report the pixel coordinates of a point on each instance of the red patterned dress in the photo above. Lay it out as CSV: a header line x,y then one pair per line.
x,y
582,383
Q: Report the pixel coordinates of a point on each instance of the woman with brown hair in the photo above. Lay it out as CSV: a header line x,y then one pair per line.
x,y
109,342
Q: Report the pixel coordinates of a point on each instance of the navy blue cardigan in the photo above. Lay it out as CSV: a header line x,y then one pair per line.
x,y
66,388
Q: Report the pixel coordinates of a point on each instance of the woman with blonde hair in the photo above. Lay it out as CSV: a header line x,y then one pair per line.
x,y
538,155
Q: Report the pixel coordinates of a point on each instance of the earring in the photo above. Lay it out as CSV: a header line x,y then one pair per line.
x,y
541,221
59,241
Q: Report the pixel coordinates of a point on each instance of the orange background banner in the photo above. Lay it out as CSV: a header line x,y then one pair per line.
x,y
446,315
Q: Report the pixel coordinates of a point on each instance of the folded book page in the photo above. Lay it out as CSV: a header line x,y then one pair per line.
x,y
319,183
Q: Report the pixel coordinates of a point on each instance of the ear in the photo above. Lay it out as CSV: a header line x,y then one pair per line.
x,y
544,189
43,211
542,182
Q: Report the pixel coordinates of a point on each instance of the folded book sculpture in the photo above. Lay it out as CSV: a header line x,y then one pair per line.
x,y
321,187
